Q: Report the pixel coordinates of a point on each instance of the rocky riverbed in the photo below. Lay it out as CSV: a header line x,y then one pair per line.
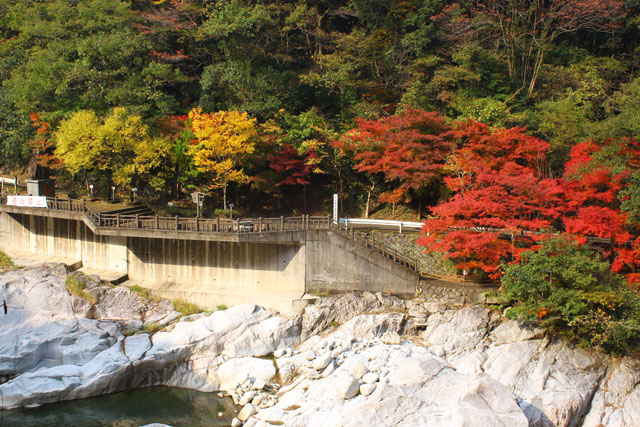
x,y
350,360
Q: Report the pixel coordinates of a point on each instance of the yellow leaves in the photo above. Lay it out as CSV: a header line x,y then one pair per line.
x,y
225,138
119,145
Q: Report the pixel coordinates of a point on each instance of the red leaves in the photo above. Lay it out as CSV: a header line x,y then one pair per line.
x,y
295,168
409,148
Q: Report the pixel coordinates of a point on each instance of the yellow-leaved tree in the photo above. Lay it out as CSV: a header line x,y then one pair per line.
x,y
118,146
224,139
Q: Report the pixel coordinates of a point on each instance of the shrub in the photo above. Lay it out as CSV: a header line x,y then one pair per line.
x,y
571,292
6,264
75,287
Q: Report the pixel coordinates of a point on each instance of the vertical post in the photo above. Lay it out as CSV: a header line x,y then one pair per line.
x,y
157,223
176,222
55,202
84,205
197,223
99,219
117,218
15,184
260,225
217,224
353,233
137,220
238,224
395,254
400,227
281,223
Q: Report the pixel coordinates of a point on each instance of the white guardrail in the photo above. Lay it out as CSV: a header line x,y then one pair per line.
x,y
380,224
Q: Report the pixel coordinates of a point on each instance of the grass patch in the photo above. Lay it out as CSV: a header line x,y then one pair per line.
x,y
320,292
186,308
151,328
6,264
221,307
144,293
75,287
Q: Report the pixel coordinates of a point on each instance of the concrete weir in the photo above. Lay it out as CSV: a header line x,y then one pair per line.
x,y
275,268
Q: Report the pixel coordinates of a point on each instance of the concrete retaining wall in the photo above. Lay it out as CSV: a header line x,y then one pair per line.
x,y
210,273
337,263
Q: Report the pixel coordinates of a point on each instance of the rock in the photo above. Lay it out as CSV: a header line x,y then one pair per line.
x,y
259,384
329,370
347,386
136,346
322,362
359,370
236,422
434,307
310,355
280,353
367,389
247,412
246,398
510,332
370,378
235,371
391,338
257,400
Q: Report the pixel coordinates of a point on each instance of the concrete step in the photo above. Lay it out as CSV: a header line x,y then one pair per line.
x,y
112,277
31,259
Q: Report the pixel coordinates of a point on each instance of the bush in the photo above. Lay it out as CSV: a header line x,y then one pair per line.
x,y
571,292
75,287
6,264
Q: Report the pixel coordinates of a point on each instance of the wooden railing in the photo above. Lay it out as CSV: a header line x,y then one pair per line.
x,y
190,224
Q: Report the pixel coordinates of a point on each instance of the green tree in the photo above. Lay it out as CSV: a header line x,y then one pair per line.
x,y
571,292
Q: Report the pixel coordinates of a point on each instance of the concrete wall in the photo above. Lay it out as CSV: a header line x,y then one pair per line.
x,y
68,238
337,263
210,273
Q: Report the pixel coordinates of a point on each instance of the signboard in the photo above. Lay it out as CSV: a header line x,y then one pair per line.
x,y
27,201
335,208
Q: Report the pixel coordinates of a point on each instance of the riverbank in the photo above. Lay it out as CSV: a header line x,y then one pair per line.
x,y
387,360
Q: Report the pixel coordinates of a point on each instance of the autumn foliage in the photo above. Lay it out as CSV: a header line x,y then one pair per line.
x,y
503,204
409,149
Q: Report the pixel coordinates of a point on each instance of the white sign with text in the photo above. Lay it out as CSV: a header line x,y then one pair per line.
x,y
27,201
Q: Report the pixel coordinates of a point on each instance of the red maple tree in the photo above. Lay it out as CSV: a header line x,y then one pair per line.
x,y
409,149
501,204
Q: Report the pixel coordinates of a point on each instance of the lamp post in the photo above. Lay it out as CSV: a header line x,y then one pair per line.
x,y
91,190
134,190
231,208
113,193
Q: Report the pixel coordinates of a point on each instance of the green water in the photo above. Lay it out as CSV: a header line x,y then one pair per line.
x,y
174,406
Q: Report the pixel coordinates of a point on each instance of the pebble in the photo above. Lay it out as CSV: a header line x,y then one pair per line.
x,y
367,389
257,400
328,370
347,387
259,384
370,378
359,370
247,412
279,353
236,422
246,398
309,355
322,362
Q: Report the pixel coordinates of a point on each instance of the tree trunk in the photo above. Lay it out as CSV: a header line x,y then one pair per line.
x,y
224,197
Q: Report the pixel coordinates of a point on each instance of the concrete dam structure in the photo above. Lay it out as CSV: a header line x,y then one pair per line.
x,y
273,262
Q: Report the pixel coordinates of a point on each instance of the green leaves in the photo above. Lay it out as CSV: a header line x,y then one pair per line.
x,y
570,291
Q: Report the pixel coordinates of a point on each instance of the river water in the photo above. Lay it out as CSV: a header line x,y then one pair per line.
x,y
174,406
